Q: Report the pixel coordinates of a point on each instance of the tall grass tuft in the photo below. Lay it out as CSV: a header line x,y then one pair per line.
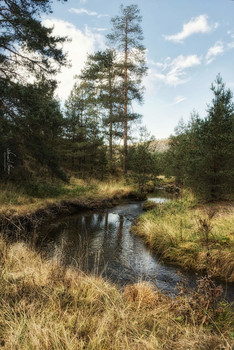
x,y
190,235
44,306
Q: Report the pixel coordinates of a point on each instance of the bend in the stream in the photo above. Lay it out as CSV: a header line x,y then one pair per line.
x,y
101,243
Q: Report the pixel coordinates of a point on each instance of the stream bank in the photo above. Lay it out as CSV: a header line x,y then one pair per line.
x,y
194,237
12,221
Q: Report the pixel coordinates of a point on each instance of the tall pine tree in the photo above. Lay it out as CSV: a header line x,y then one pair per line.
x,y
104,72
127,37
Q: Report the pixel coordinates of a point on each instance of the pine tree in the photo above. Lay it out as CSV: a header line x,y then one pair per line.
x,y
25,42
201,155
103,71
142,163
219,142
127,36
28,109
84,146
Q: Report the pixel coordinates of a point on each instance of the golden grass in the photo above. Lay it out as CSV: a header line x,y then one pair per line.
x,y
111,188
177,230
14,200
44,306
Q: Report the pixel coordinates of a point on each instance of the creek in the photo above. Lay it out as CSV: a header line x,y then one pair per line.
x,y
100,242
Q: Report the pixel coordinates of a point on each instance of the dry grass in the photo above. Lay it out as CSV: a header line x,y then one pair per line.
x,y
111,188
45,307
200,238
15,200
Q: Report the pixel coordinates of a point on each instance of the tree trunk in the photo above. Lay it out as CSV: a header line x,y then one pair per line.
x,y
111,122
125,134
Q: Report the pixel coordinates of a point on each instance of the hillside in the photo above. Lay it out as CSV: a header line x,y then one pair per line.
x,y
160,146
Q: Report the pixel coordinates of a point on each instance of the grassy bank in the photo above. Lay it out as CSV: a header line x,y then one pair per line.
x,y
199,237
46,307
26,199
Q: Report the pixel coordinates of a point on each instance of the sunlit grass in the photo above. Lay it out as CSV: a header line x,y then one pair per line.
x,y
19,200
44,306
174,231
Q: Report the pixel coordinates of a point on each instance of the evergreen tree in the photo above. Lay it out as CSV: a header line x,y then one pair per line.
x,y
28,109
142,163
127,37
103,71
219,142
33,136
25,42
201,155
84,147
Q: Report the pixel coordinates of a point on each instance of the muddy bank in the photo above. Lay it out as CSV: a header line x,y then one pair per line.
x,y
12,224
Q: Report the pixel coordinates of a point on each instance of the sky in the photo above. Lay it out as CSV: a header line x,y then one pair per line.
x,y
187,44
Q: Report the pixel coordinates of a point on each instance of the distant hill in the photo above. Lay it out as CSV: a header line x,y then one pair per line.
x,y
159,145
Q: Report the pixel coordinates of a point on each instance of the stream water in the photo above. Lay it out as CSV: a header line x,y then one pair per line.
x,y
101,243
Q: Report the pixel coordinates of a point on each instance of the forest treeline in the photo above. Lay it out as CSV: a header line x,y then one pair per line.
x,y
201,153
91,135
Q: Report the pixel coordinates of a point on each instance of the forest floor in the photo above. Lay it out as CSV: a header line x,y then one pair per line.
x,y
191,235
45,306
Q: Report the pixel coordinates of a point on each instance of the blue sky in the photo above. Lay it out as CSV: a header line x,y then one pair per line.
x,y
188,43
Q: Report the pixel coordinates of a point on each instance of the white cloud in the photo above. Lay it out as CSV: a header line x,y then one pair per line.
x,y
230,45
179,99
81,11
162,65
82,43
99,29
230,85
214,51
83,1
174,72
195,25
219,48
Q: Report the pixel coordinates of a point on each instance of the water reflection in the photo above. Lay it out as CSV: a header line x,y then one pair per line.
x,y
102,243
